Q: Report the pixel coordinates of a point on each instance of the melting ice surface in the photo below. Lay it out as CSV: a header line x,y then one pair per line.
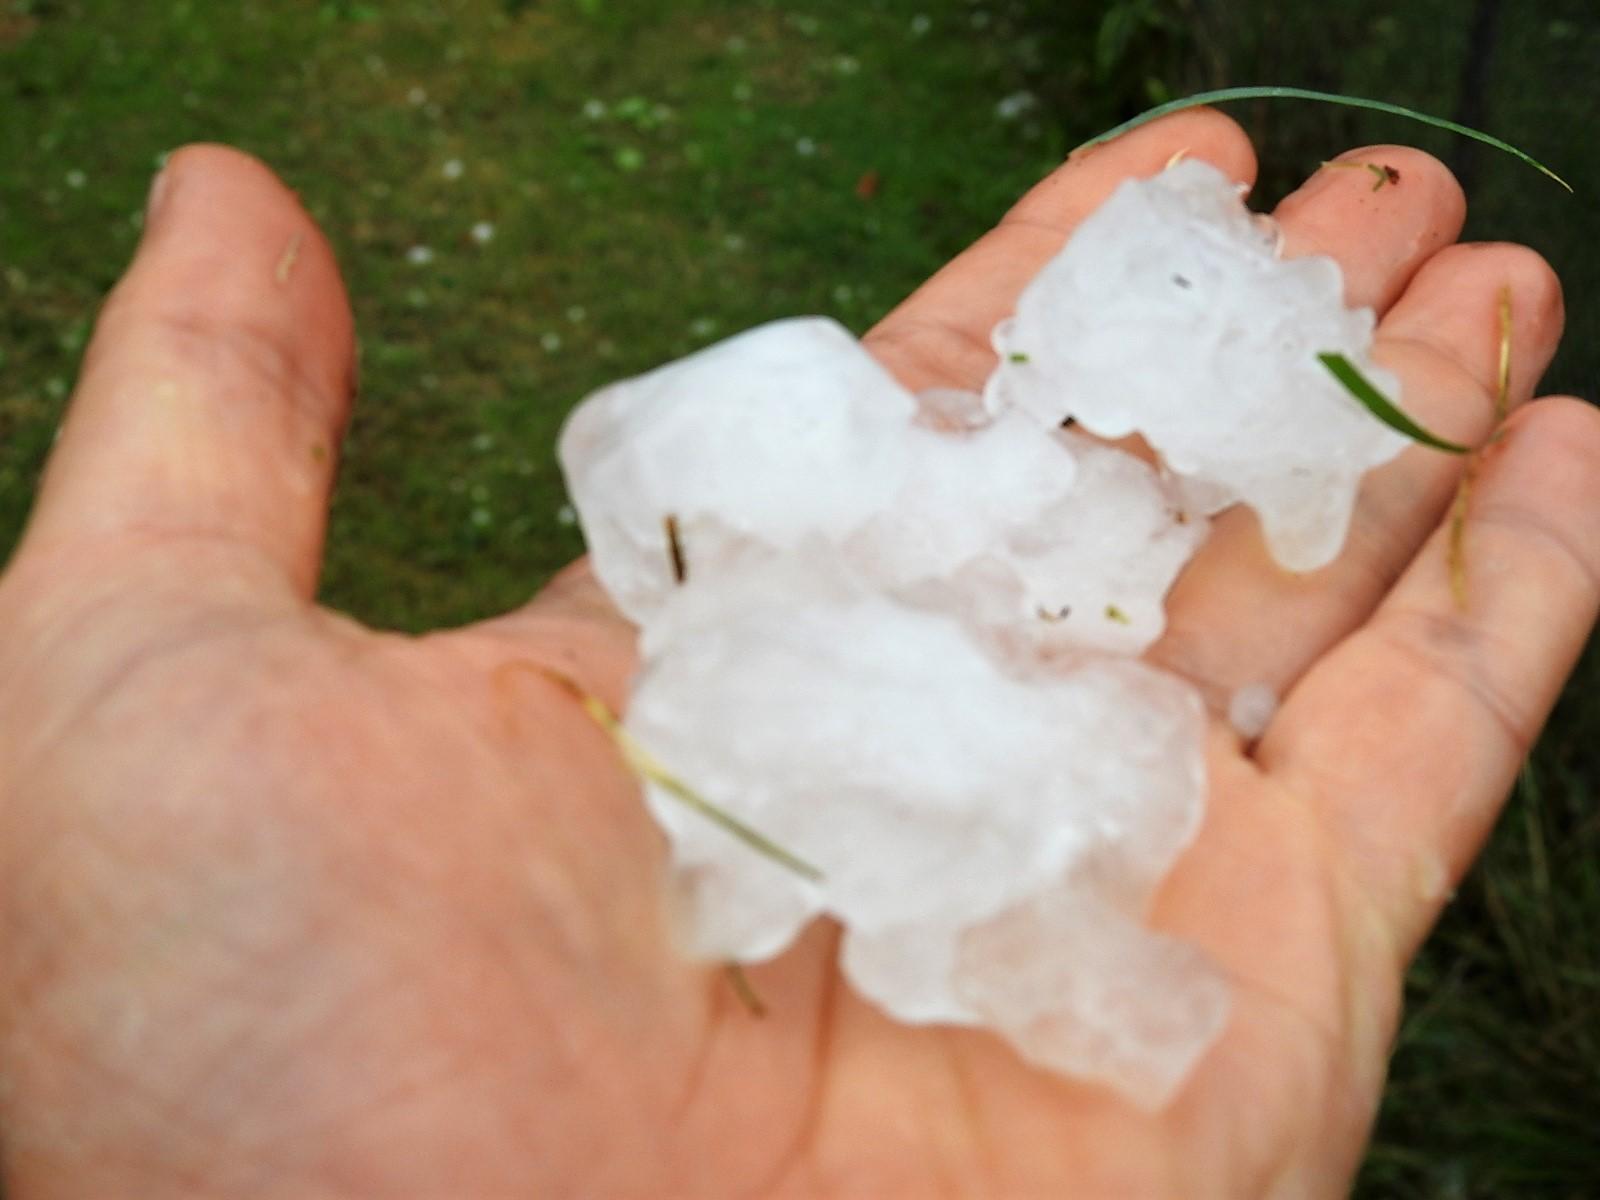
x,y
1170,315
905,641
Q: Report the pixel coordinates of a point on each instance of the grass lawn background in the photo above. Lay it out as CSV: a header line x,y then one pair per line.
x,y
532,198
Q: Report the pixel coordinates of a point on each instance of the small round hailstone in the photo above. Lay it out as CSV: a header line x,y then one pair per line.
x,y
787,432
1251,709
1169,314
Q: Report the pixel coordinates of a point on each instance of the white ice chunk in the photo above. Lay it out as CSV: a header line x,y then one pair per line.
x,y
787,431
964,492
881,744
1079,987
1169,314
877,743
910,971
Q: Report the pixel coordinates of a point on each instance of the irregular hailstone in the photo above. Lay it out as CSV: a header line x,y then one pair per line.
x,y
935,791
788,431
1169,314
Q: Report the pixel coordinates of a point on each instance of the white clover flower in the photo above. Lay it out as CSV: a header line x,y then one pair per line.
x,y
1014,105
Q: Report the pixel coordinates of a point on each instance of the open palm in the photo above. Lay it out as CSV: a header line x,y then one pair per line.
x,y
292,907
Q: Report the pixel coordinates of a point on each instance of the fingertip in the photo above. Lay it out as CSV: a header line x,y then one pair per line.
x,y
1454,302
1537,300
1200,132
218,381
1406,172
1381,212
215,158
1210,134
228,244
205,185
1073,190
1560,435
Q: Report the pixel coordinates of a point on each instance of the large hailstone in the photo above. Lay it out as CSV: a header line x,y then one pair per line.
x,y
1170,315
940,794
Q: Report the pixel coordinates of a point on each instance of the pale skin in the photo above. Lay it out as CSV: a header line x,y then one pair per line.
x,y
292,907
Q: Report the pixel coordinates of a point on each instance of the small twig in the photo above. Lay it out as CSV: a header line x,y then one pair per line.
x,y
680,568
1382,172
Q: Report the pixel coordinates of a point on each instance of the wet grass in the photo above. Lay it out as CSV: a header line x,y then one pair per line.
x,y
649,178
530,199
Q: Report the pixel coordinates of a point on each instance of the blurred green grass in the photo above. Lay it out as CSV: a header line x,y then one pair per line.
x,y
646,178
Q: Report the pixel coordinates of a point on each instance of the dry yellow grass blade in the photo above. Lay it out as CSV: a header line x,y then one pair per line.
x,y
1463,501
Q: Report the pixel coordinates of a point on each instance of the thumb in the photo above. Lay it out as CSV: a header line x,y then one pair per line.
x,y
215,388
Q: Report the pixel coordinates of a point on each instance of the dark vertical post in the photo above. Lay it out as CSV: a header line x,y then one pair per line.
x,y
1472,100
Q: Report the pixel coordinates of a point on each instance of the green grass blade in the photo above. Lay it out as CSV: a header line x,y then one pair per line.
x,y
643,764
1223,95
1380,406
646,766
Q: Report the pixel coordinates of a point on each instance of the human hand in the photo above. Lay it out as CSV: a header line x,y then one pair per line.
x,y
291,906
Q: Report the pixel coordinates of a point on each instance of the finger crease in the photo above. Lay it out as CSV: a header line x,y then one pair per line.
x,y
1449,648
